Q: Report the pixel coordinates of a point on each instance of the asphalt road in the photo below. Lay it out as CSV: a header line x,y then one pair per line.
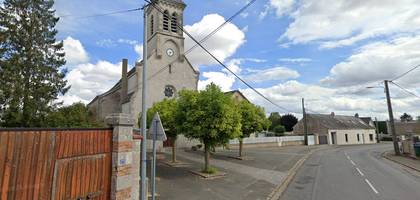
x,y
353,173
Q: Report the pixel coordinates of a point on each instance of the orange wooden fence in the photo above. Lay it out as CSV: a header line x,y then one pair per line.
x,y
55,164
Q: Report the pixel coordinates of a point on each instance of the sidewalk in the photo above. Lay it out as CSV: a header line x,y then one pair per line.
x,y
402,160
246,179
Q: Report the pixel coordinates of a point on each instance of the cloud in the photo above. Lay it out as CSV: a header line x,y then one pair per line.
x,y
378,61
223,44
75,52
138,48
295,60
88,80
272,74
222,79
336,23
282,7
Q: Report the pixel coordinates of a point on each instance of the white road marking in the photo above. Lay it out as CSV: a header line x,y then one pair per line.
x,y
348,158
360,172
371,186
353,163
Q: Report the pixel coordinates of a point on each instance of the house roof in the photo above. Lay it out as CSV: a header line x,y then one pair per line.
x,y
340,121
238,92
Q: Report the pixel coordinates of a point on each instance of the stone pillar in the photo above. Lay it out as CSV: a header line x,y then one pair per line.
x,y
124,173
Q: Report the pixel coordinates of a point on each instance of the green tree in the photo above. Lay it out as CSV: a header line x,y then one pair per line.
x,y
275,120
406,117
74,116
418,118
30,61
209,116
288,121
166,109
253,120
279,130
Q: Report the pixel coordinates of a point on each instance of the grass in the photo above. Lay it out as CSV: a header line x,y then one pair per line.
x,y
211,170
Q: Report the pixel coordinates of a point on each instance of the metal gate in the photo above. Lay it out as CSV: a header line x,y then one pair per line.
x,y
323,139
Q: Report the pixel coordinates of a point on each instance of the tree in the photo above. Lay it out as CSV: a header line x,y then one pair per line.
x,y
279,130
288,121
406,117
30,61
209,116
166,109
74,116
275,120
253,119
418,118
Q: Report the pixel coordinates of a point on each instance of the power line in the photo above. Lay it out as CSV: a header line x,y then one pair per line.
x,y
223,65
406,90
400,76
100,15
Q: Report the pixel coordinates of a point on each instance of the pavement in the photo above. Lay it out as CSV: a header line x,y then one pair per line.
x,y
403,160
353,173
253,179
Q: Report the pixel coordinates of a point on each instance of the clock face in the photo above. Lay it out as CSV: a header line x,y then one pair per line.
x,y
170,52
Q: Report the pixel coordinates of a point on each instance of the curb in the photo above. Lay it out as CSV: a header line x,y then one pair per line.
x,y
398,162
278,191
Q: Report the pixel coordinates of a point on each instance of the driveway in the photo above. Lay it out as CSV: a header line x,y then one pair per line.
x,y
246,179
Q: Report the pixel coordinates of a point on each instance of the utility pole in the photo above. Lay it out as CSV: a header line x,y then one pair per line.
x,y
305,125
377,130
391,119
144,111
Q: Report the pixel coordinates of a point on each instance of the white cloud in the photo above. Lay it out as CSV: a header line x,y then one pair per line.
x,y
282,7
223,44
336,23
88,80
222,79
270,74
138,48
75,52
295,60
378,61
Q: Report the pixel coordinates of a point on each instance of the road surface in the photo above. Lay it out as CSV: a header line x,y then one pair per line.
x,y
353,173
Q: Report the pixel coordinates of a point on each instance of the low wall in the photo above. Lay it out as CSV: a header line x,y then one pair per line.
x,y
275,141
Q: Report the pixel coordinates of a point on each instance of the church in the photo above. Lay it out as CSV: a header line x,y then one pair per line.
x,y
168,70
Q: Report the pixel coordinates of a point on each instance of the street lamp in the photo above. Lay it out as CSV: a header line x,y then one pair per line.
x,y
391,116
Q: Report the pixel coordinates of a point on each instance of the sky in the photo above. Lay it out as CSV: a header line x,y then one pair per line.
x,y
326,51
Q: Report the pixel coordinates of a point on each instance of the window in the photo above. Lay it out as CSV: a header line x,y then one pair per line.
x,y
152,25
166,20
358,137
347,137
174,23
371,137
170,69
169,91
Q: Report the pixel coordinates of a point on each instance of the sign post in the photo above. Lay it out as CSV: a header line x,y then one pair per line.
x,y
156,132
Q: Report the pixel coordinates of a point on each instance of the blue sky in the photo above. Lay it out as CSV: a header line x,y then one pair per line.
x,y
326,51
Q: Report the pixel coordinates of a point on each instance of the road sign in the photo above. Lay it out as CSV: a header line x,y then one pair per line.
x,y
156,128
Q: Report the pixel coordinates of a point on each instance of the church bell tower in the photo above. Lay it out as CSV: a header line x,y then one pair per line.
x,y
164,37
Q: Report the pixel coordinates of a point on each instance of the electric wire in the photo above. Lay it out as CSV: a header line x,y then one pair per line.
x,y
405,90
100,15
405,73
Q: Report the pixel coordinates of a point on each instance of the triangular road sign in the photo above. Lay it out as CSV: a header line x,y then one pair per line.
x,y
156,128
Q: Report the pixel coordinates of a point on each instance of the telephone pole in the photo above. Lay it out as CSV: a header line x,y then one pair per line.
x,y
305,125
391,119
144,111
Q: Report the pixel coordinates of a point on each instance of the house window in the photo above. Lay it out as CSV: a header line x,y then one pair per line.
x,y
166,20
358,137
174,23
347,137
371,137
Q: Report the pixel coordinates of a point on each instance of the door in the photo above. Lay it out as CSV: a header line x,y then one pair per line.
x,y
323,139
334,138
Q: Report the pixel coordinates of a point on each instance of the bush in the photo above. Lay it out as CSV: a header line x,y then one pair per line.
x,y
279,129
211,170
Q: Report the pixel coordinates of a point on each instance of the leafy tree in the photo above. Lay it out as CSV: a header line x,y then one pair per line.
x,y
253,119
406,117
288,121
382,127
418,118
167,110
209,116
74,116
279,130
30,61
275,120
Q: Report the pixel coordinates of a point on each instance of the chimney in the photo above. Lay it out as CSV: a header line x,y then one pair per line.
x,y
124,82
332,114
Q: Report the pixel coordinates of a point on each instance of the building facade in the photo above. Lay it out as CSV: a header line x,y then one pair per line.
x,y
337,129
168,70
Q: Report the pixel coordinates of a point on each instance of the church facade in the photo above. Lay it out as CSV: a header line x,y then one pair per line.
x,y
168,70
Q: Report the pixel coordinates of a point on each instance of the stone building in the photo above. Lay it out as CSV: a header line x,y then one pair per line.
x,y
168,70
337,129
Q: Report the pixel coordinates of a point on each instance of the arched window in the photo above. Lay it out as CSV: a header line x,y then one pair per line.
x,y
174,23
166,20
152,25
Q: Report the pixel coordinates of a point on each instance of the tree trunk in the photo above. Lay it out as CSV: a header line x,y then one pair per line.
x,y
206,157
174,150
241,144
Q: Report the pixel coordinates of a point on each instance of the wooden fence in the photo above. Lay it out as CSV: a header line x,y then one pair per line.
x,y
55,164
